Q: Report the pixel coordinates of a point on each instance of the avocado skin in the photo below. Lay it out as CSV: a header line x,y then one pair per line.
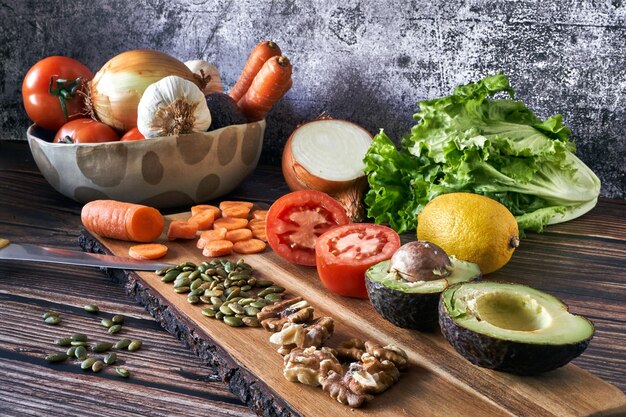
x,y
410,311
503,355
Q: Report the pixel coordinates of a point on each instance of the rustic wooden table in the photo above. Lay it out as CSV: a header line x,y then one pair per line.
x,y
169,380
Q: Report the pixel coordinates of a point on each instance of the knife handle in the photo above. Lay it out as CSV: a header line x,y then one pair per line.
x,y
4,242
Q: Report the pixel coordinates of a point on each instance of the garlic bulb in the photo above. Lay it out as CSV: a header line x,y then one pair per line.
x,y
208,75
172,106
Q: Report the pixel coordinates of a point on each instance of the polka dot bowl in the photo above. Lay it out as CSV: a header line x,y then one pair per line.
x,y
173,171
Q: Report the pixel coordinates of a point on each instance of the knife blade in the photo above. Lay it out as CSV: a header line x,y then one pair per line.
x,y
28,252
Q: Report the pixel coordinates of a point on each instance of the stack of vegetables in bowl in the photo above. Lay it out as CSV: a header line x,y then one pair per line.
x,y
148,128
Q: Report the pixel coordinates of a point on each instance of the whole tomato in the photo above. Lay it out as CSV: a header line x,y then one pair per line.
x,y
132,134
50,91
85,131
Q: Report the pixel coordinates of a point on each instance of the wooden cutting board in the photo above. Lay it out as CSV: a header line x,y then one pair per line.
x,y
439,382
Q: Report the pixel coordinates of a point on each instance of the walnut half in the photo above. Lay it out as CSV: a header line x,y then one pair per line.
x,y
339,388
391,353
292,310
351,349
303,335
309,366
372,375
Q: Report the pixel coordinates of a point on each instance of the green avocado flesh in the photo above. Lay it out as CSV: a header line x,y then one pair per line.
x,y
512,327
412,305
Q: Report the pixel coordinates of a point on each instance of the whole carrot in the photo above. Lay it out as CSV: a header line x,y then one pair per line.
x,y
261,53
123,221
269,85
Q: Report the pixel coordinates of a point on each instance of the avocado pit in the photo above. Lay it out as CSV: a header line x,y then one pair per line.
x,y
420,261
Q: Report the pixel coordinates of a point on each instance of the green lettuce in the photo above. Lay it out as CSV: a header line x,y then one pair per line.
x,y
473,142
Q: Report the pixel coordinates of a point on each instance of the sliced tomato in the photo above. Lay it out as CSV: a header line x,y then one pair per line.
x,y
296,220
344,253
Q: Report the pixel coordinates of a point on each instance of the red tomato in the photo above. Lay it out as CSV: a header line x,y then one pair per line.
x,y
296,220
49,80
344,253
85,131
132,134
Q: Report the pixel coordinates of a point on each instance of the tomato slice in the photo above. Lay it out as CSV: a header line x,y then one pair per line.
x,y
344,253
297,219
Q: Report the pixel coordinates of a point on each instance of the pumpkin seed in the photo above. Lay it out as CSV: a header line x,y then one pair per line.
x,y
219,287
240,276
214,293
245,301
195,274
193,299
233,321
233,293
216,301
122,372
264,283
274,298
236,308
222,272
162,271
91,308
219,315
56,357
80,353
251,321
210,271
115,328
117,319
271,290
204,299
53,320
183,275
251,311
170,276
185,282
63,341
78,343
195,284
97,366
258,304
181,290
189,269
225,309
79,337
206,278
101,347
246,287
87,363
197,292
187,264
135,345
208,312
71,351
49,314
122,344
106,323
252,282
110,358
240,315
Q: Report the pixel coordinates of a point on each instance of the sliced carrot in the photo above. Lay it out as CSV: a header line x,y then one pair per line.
x,y
179,229
230,223
201,207
259,214
261,53
260,234
203,220
217,248
240,211
269,85
238,235
249,246
209,235
123,221
147,251
257,224
226,204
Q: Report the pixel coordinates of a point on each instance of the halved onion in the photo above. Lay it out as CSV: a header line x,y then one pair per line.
x,y
327,155
116,89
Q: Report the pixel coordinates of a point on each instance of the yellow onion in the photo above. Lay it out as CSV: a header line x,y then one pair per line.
x,y
116,89
327,155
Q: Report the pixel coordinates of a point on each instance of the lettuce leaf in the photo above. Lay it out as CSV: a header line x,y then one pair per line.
x,y
473,142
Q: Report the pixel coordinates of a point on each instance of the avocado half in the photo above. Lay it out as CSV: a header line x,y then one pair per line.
x,y
412,305
511,327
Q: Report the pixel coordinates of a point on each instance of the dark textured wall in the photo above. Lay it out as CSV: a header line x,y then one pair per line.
x,y
364,61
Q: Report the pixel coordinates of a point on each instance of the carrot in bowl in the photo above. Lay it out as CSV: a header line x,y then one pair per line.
x,y
147,251
123,221
261,53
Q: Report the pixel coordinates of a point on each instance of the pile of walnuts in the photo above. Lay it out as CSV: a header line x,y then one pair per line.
x,y
371,367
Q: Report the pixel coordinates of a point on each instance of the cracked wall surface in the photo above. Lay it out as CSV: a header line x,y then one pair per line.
x,y
365,61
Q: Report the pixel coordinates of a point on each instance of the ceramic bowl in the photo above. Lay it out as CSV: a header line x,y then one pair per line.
x,y
162,172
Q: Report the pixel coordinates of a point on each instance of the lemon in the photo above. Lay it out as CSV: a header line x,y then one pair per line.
x,y
471,227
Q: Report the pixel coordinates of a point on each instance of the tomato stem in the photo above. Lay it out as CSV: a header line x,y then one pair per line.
x,y
65,91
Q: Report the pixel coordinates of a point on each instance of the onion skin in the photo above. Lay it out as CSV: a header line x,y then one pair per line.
x,y
116,89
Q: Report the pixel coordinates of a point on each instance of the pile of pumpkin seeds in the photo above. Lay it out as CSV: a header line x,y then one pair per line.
x,y
226,290
79,346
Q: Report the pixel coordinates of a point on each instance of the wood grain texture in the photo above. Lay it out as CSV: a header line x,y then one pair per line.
x,y
440,382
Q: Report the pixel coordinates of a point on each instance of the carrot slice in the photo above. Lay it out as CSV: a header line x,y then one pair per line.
x,y
179,229
259,214
203,220
240,211
201,207
217,248
209,235
123,221
147,251
230,223
257,224
238,235
249,246
226,204
260,234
